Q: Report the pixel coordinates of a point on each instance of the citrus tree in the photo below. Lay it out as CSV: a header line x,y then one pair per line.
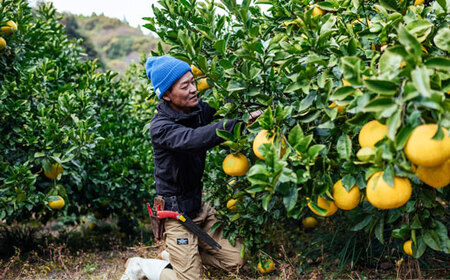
x,y
356,114
72,138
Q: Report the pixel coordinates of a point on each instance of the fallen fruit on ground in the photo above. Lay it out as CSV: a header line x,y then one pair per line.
x,y
235,164
422,150
266,266
330,206
56,202
55,170
383,196
231,204
407,247
343,199
309,222
371,133
435,176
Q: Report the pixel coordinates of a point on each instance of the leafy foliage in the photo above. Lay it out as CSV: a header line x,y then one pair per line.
x,y
384,60
56,107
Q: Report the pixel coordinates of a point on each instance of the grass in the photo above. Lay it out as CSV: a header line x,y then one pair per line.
x,y
87,254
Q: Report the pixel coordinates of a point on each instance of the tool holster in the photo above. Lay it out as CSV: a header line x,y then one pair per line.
x,y
157,224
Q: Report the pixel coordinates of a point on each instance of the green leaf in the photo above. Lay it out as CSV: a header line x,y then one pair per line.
x,y
266,200
314,150
379,104
420,29
235,86
379,230
348,181
344,147
220,46
416,223
410,43
266,120
381,87
432,240
342,92
442,39
224,134
388,175
295,135
403,136
291,199
438,62
359,226
307,102
421,80
402,232
393,123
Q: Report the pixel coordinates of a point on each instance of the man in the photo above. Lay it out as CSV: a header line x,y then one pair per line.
x,y
181,133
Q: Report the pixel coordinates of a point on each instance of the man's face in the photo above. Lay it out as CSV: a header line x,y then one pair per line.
x,y
183,95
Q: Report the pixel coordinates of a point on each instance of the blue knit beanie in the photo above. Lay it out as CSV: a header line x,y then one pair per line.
x,y
164,71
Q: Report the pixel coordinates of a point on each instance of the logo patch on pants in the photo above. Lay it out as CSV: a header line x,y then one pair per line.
x,y
182,241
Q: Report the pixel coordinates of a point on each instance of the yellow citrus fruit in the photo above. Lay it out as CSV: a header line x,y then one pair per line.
x,y
422,150
57,204
383,196
9,28
2,43
262,138
235,164
266,267
418,2
317,11
55,170
407,247
371,133
340,108
343,199
203,85
231,204
309,222
330,206
435,176
196,71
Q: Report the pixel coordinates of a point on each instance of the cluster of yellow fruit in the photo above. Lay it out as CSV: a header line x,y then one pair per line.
x,y
237,164
53,173
202,83
432,158
8,29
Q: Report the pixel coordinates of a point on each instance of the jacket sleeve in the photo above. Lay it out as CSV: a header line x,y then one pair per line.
x,y
180,138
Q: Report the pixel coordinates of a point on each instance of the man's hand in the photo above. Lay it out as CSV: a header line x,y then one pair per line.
x,y
253,116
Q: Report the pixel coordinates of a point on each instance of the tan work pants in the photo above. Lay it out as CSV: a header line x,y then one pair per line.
x,y
188,253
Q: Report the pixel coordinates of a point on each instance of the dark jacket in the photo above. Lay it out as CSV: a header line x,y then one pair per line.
x,y
180,142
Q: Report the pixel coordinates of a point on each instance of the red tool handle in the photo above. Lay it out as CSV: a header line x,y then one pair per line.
x,y
150,212
168,214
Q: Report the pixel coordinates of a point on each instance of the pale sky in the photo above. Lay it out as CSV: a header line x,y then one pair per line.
x,y
132,10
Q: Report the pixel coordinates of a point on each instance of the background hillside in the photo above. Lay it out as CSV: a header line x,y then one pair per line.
x,y
113,42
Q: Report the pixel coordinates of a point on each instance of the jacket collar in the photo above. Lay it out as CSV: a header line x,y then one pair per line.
x,y
164,108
